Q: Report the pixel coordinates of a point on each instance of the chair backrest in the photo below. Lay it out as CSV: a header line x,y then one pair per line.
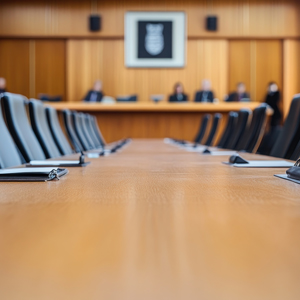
x,y
89,125
57,133
97,130
254,132
79,131
85,129
295,155
39,124
202,129
239,129
20,129
231,122
213,130
287,138
67,117
9,156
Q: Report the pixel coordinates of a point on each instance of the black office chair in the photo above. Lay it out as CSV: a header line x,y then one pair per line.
x,y
20,129
41,128
202,129
85,130
89,125
286,143
231,122
79,131
252,136
214,128
97,130
57,133
69,127
239,129
9,156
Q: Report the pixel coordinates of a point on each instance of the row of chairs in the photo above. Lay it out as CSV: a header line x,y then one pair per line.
x,y
244,132
29,130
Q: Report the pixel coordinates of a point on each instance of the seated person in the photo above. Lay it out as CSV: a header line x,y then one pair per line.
x,y
272,99
178,95
2,85
96,94
240,94
205,95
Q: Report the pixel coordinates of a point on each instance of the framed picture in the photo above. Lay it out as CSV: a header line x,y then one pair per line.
x,y
155,39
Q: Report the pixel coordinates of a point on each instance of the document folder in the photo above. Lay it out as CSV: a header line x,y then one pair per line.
x,y
31,174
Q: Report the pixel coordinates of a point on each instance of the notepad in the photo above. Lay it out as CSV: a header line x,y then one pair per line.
x,y
31,174
285,176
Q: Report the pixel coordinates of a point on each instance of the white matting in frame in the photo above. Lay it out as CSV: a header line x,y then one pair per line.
x,y
155,39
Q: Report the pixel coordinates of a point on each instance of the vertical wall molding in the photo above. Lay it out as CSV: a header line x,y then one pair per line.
x,y
291,72
32,69
253,68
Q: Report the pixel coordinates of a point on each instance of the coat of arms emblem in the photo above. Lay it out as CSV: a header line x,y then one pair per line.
x,y
154,39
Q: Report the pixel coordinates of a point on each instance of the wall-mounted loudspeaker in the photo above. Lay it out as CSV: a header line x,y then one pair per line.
x,y
95,23
212,23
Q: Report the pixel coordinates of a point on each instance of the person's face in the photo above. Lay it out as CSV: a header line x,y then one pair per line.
x,y
273,88
179,89
241,88
2,83
97,86
205,85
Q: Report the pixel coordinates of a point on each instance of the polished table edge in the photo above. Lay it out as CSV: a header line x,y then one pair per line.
x,y
153,107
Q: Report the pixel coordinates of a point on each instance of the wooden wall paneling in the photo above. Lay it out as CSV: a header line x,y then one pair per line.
x,y
68,17
273,18
88,60
24,18
15,66
50,67
267,18
80,62
256,63
268,67
239,64
291,72
213,65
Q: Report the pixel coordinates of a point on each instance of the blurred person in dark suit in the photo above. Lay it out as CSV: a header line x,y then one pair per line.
x,y
96,94
206,94
240,94
2,85
272,99
178,95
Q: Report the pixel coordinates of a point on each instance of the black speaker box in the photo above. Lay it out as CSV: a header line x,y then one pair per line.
x,y
95,23
212,23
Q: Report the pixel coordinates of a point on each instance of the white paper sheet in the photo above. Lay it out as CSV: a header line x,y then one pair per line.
x,y
195,149
93,155
53,162
221,153
26,171
265,164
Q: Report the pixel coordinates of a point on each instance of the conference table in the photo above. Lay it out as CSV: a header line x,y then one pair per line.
x,y
153,120
152,221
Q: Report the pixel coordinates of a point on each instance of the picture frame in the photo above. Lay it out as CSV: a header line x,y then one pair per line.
x,y
155,39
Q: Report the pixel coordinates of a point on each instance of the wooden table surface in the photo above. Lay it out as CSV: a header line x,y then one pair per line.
x,y
152,222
